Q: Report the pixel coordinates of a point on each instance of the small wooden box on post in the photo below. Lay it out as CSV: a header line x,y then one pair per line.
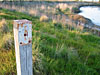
x,y
23,46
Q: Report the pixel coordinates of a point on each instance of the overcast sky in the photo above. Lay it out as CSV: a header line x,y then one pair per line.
x,y
79,0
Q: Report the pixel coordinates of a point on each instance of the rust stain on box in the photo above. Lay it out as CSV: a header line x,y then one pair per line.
x,y
17,26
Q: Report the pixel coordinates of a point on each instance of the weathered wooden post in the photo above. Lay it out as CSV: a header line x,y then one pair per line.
x,y
23,46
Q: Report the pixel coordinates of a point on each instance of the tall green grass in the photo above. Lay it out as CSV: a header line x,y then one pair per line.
x,y
56,50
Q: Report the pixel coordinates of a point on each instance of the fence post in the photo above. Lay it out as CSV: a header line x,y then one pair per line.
x,y
23,46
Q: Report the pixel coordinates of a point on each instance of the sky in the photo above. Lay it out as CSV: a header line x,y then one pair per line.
x,y
80,0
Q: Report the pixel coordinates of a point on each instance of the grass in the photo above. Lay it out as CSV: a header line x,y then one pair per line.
x,y
56,50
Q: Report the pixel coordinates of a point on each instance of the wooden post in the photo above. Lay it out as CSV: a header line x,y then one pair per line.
x,y
23,46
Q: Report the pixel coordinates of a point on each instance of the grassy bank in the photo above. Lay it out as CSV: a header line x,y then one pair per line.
x,y
56,50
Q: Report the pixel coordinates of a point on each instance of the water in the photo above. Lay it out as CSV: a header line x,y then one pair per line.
x,y
92,13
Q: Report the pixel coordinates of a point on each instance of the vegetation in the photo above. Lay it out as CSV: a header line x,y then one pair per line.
x,y
56,49
75,10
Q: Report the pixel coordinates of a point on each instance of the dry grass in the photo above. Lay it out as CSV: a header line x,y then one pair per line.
x,y
78,32
54,21
78,17
64,6
2,22
2,13
44,18
6,41
33,12
3,26
7,63
80,27
43,7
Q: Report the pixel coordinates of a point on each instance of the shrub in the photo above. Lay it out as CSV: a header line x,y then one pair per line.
x,y
75,10
66,10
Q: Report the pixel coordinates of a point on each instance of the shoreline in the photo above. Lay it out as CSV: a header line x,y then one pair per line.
x,y
25,5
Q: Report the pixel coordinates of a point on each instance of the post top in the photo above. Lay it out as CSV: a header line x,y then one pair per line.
x,y
22,21
18,23
24,29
